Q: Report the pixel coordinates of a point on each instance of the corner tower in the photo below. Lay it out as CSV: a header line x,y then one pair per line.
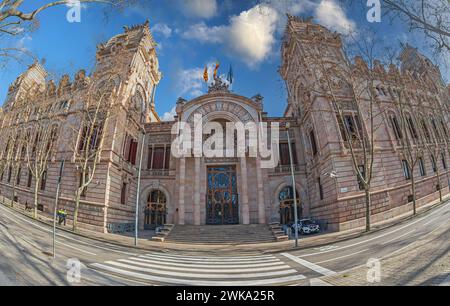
x,y
132,57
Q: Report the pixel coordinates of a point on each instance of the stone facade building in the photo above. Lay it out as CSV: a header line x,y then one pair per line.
x,y
202,190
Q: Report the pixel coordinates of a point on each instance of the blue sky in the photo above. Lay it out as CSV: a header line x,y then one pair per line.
x,y
192,34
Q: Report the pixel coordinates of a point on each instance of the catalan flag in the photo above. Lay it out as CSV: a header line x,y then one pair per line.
x,y
216,69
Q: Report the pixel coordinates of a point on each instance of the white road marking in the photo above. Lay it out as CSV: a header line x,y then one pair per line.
x,y
431,221
204,276
190,282
398,237
216,261
136,261
76,248
210,258
377,237
193,265
317,282
309,265
341,257
60,235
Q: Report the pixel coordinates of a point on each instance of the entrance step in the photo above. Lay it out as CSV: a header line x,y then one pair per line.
x,y
221,234
163,233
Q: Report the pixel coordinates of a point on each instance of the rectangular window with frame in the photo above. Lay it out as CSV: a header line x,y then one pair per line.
x,y
396,127
444,162
312,138
30,178
44,181
422,167
130,150
159,158
123,194
433,164
80,183
362,170
319,183
406,172
19,174
9,174
412,128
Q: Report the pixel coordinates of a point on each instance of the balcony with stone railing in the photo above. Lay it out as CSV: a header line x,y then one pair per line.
x,y
285,169
157,173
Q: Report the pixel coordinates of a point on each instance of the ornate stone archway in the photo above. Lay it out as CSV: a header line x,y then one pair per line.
x,y
143,202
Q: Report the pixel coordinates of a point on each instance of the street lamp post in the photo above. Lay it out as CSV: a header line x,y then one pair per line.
x,y
293,185
136,229
141,154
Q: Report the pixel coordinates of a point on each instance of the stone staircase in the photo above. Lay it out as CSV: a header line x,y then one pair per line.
x,y
221,234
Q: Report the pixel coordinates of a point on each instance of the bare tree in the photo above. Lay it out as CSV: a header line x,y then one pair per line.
x,y
41,134
89,133
413,140
432,18
15,20
349,88
13,17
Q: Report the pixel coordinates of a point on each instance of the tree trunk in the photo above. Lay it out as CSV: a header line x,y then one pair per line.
x,y
75,212
368,204
36,191
413,187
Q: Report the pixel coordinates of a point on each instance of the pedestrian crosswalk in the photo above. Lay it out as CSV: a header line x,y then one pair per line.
x,y
173,269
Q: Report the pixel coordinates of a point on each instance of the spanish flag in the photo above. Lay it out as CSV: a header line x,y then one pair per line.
x,y
216,69
205,75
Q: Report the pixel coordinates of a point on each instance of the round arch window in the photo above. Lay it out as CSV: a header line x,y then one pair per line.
x,y
287,209
156,210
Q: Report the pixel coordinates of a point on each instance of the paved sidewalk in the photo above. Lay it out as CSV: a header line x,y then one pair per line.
x,y
145,242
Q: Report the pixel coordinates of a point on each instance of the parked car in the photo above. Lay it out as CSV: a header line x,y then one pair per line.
x,y
307,226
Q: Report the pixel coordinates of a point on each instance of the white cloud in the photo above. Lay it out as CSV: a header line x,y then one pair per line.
x,y
168,116
249,35
162,29
205,34
200,8
22,44
252,34
332,16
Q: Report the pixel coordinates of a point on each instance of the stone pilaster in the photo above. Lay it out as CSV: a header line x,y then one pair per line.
x,y
244,196
260,188
197,191
181,207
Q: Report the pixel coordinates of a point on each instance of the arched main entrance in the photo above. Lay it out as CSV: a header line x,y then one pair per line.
x,y
286,198
156,210
222,203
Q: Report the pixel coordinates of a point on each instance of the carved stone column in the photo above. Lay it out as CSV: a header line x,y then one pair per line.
x,y
244,196
197,192
181,207
260,188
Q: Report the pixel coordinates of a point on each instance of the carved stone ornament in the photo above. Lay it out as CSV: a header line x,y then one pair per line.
x,y
218,86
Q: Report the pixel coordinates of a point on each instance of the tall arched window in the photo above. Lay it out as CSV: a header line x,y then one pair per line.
x,y
396,127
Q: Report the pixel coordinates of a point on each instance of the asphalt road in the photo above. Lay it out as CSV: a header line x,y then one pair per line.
x,y
26,258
